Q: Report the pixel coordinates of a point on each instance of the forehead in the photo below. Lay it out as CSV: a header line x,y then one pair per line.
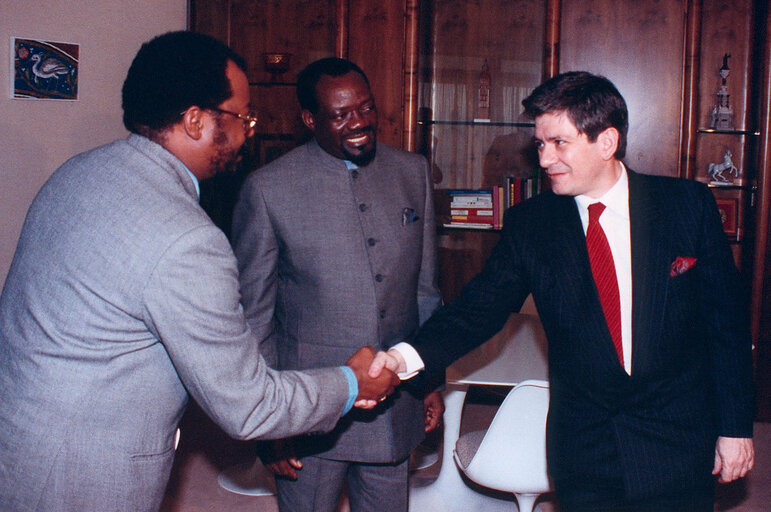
x,y
340,91
239,84
554,124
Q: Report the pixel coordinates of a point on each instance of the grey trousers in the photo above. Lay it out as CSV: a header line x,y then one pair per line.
x,y
319,485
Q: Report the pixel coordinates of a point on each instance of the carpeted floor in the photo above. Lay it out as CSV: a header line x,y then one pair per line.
x,y
205,451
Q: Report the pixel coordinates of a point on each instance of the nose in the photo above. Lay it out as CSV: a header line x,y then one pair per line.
x,y
357,120
547,156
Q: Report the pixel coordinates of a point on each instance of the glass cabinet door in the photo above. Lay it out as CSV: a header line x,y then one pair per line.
x,y
478,60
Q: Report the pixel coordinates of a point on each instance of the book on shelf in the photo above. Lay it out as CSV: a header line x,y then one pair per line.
x,y
465,198
488,212
467,225
484,208
484,219
521,189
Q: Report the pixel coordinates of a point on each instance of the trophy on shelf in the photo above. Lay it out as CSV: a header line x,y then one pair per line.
x,y
722,116
483,94
718,171
276,63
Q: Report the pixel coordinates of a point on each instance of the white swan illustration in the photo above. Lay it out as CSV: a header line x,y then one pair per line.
x,y
47,68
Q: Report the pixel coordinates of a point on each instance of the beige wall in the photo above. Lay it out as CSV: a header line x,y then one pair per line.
x,y
37,136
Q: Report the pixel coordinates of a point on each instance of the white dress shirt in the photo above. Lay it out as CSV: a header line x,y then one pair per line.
x,y
615,223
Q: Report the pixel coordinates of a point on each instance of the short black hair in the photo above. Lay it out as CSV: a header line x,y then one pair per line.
x,y
591,102
309,77
172,72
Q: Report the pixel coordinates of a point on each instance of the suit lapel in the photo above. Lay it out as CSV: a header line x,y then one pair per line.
x,y
650,263
573,274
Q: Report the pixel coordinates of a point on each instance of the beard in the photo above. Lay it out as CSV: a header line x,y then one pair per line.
x,y
364,158
226,158
361,159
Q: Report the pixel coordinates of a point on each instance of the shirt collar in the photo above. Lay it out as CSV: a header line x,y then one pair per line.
x,y
195,180
615,200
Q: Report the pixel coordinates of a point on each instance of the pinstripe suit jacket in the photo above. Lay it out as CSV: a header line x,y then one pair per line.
x,y
691,352
122,299
330,261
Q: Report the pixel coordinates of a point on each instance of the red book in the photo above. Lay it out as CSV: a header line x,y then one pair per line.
x,y
472,211
484,219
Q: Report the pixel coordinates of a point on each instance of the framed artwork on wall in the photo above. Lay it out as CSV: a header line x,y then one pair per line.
x,y
46,70
729,214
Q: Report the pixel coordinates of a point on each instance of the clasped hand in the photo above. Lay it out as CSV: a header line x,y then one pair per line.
x,y
384,363
372,389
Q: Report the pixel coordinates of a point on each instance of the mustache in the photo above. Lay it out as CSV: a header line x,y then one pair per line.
x,y
361,131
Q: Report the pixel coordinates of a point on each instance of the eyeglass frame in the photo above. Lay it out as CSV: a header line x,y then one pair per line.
x,y
249,119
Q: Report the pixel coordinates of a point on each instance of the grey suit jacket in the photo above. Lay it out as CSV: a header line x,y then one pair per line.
x,y
331,260
121,300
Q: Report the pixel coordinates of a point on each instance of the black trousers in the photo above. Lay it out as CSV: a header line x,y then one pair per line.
x,y
610,497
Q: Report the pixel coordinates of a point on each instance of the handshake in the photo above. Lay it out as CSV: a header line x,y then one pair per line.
x,y
375,374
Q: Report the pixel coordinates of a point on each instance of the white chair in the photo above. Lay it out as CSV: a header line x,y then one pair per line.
x,y
511,454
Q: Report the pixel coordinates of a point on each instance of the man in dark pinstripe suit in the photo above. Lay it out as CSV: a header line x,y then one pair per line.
x,y
644,427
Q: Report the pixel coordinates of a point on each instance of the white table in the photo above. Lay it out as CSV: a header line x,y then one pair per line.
x,y
517,353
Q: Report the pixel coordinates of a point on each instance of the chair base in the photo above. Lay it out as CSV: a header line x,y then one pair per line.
x,y
526,502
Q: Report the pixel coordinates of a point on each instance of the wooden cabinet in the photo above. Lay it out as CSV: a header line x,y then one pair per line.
x,y
424,58
478,61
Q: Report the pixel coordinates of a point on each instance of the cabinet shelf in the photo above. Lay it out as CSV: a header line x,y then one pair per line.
x,y
477,123
731,186
729,132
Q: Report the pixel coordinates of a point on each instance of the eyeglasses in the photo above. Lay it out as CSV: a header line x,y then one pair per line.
x,y
249,119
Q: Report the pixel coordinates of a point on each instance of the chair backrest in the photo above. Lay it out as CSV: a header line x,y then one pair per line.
x,y
512,455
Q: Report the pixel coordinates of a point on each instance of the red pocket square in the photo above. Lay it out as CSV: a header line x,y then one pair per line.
x,y
681,265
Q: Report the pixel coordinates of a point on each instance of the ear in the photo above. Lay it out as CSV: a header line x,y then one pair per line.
x,y
308,119
192,122
608,142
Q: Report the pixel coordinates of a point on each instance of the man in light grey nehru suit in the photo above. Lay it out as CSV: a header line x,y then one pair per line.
x,y
122,301
336,249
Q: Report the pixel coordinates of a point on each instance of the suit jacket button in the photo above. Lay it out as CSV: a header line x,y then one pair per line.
x,y
362,207
382,313
355,174
379,278
371,242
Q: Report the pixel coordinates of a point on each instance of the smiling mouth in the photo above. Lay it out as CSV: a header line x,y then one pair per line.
x,y
358,140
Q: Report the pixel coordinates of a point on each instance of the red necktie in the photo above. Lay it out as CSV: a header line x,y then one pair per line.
x,y
604,272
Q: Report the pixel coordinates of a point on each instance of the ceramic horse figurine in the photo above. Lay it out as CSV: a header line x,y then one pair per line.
x,y
717,170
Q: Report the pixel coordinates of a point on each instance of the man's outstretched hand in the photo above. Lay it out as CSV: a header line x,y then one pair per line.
x,y
372,390
391,360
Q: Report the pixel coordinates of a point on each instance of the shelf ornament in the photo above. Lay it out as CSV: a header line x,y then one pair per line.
x,y
722,115
483,94
717,171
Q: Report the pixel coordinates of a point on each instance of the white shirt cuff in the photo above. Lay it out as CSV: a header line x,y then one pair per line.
x,y
411,359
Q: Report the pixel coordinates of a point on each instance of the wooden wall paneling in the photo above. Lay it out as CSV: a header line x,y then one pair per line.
x,y
461,255
376,42
761,280
727,28
690,95
210,17
639,47
342,22
304,28
411,73
551,52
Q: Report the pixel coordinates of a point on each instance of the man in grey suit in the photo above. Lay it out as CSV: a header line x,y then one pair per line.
x,y
336,249
122,301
